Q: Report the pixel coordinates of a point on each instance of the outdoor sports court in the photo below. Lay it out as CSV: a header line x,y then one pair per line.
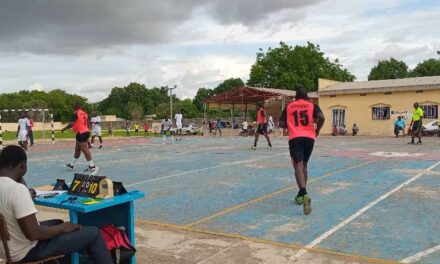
x,y
371,197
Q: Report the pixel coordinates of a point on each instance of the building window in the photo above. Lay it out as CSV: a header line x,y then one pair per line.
x,y
430,111
381,113
338,117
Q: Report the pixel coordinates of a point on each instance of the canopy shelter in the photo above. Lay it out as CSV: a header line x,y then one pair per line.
x,y
245,98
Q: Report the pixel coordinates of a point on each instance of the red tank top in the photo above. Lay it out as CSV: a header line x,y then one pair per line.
x,y
300,119
80,125
260,118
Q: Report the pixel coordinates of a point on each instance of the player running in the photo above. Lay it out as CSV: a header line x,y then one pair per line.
x,y
23,131
416,124
167,124
96,129
299,118
178,117
261,126
78,123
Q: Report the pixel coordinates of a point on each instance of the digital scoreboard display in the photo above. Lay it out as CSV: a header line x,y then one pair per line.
x,y
85,185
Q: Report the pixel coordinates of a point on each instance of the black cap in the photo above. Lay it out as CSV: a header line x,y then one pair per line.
x,y
301,93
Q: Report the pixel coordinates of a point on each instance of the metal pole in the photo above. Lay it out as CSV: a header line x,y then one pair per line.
x,y
171,101
51,127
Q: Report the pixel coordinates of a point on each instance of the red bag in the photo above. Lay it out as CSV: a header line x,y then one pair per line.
x,y
118,244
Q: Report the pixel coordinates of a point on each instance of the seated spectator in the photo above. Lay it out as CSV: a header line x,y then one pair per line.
x,y
33,241
399,125
355,129
335,131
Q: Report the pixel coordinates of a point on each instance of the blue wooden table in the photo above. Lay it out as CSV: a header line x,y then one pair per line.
x,y
118,211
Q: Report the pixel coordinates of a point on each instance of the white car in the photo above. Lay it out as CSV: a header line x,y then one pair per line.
x,y
191,129
431,126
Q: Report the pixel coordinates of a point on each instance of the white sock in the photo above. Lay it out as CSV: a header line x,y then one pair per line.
x,y
74,161
91,163
172,138
91,145
164,138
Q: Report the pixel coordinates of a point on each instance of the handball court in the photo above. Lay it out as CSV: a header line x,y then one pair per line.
x,y
374,199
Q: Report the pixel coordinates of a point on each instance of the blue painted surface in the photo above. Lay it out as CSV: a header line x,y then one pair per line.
x,y
334,199
197,177
379,232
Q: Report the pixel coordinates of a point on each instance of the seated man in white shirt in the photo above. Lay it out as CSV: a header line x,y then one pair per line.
x,y
30,240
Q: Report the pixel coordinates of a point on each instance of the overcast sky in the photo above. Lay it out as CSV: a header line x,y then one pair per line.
x,y
90,46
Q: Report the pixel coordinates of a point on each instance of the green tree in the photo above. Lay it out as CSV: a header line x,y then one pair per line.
x,y
287,67
429,67
59,101
389,69
188,109
228,84
148,99
202,93
135,111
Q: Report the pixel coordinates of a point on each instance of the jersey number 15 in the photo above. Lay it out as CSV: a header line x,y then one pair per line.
x,y
302,117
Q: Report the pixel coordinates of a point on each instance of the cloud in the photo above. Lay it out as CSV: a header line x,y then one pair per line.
x,y
81,26
36,87
247,12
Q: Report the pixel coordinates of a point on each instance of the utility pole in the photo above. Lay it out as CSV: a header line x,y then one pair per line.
x,y
171,100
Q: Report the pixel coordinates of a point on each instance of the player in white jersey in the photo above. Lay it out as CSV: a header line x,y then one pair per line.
x,y
23,131
178,117
167,124
96,129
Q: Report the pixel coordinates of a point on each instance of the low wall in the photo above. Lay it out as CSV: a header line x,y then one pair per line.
x,y
37,126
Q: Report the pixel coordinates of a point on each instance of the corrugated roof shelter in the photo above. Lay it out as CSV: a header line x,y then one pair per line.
x,y
380,86
245,97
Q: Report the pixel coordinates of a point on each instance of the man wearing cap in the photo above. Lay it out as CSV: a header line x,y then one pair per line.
x,y
299,117
261,126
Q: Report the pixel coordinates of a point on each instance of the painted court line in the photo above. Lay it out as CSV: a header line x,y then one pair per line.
x,y
204,169
234,208
357,214
420,255
269,242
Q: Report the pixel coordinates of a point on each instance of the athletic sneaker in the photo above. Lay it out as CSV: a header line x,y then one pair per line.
x,y
299,200
253,148
269,147
100,146
90,169
70,166
307,204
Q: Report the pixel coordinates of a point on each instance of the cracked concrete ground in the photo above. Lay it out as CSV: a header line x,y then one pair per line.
x,y
168,245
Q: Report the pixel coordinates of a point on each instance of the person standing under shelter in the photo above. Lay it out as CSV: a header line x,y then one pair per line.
x,y
33,241
261,126
299,118
270,125
416,124
398,126
79,124
23,131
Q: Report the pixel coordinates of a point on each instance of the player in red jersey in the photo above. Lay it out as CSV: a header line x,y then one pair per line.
x,y
79,124
261,126
299,117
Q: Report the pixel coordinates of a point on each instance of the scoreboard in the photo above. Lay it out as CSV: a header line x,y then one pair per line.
x,y
85,185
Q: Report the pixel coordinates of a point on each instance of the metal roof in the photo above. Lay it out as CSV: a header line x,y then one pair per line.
x,y
380,86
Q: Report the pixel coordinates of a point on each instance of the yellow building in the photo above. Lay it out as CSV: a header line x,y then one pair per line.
x,y
375,105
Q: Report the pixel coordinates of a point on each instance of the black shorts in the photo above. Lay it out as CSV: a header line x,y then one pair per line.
x,y
262,129
417,126
84,137
301,148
